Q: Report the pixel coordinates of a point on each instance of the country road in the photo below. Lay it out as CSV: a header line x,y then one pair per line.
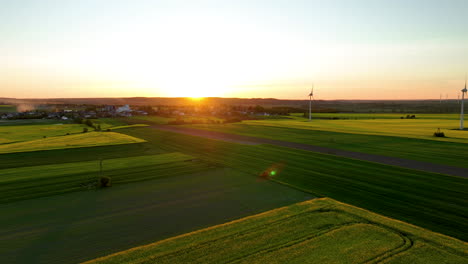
x,y
405,163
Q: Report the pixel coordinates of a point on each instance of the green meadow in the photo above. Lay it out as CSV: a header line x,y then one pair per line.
x,y
316,231
38,181
7,108
170,184
404,194
164,120
173,200
30,135
420,128
70,141
376,116
408,138
17,133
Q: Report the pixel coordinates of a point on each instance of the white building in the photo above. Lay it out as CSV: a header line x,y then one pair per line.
x,y
125,108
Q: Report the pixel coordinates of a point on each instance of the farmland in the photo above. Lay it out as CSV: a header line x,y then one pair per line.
x,y
79,226
47,135
7,108
38,181
165,120
404,194
357,116
388,137
167,178
17,133
70,141
408,128
317,231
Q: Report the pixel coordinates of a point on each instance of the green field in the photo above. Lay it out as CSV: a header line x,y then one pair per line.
x,y
17,133
316,231
171,184
38,181
27,135
80,226
408,128
395,139
404,194
70,141
376,116
164,120
7,108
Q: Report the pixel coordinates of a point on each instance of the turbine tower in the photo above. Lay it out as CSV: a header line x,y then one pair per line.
x,y
462,101
311,95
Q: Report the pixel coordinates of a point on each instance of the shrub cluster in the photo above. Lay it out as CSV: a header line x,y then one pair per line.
x,y
438,133
105,181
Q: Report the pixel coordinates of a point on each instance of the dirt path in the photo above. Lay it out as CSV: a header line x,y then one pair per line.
x,y
411,164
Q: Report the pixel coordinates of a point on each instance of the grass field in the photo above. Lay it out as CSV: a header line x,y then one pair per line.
x,y
12,133
408,128
425,199
391,143
81,140
80,226
164,120
316,231
376,116
38,181
171,184
7,108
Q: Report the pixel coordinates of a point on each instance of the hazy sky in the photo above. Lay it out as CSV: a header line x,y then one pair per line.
x,y
362,49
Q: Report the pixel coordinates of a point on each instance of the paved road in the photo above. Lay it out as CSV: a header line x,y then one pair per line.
x,y
411,164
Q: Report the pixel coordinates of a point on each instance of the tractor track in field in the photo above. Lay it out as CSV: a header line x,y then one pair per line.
x,y
249,140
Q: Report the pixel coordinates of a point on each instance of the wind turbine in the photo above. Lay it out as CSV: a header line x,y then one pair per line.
x,y
462,101
311,96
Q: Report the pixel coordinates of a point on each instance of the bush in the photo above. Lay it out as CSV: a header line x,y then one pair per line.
x,y
105,181
85,129
108,130
438,133
89,123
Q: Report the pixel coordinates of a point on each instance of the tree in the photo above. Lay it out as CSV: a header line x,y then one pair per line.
x,y
89,123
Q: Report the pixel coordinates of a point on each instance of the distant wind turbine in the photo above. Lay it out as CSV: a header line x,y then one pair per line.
x,y
462,101
311,96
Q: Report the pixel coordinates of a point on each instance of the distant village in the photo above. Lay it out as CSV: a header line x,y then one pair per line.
x,y
70,112
65,112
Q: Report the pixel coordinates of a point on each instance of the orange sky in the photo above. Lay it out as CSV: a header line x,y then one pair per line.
x,y
348,49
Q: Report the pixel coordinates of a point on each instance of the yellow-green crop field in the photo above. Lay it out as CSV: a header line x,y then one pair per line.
x,y
11,133
90,139
411,128
315,231
375,116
